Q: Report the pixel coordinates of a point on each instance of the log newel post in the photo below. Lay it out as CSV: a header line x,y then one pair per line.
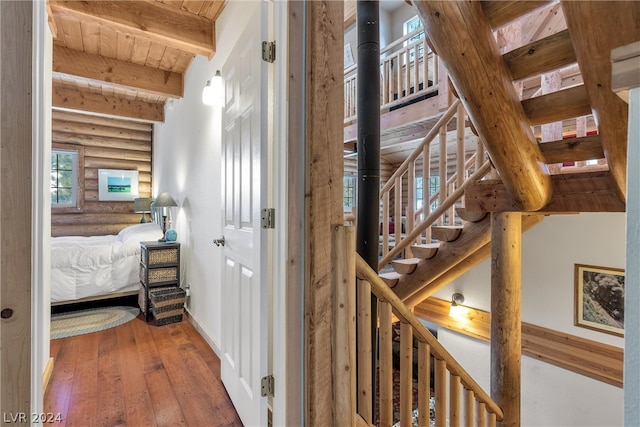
x,y
368,103
506,278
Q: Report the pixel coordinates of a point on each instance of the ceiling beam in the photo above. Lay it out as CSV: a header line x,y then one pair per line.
x,y
541,56
134,76
556,106
153,20
574,192
577,149
596,28
461,35
80,100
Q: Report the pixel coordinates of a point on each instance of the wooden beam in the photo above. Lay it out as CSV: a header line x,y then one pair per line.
x,y
625,69
153,20
500,12
574,192
463,38
390,120
541,56
99,120
17,101
323,168
596,28
556,106
572,149
110,70
80,100
506,308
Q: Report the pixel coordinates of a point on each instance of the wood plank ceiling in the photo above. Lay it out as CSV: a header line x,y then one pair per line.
x,y
127,58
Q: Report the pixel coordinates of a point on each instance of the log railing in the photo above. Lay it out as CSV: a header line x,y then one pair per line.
x,y
438,208
461,402
408,70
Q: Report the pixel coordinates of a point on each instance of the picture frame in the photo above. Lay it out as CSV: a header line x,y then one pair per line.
x,y
117,185
599,298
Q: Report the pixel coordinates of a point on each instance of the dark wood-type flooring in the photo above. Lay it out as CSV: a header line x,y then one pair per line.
x,y
138,374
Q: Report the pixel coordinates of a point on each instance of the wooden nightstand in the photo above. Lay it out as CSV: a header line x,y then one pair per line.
x,y
159,267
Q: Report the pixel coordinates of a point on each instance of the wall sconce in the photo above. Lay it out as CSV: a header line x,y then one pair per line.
x,y
456,299
213,92
142,205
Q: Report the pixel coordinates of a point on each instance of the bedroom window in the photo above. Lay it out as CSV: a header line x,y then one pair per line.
x,y
66,189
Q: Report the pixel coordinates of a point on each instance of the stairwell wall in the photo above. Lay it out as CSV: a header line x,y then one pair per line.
x,y
550,395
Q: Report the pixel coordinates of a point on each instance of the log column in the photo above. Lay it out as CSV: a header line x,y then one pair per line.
x,y
506,278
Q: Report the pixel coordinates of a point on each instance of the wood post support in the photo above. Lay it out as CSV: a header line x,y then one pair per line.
x,y
506,278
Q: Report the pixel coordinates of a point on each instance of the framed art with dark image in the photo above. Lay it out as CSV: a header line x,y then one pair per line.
x,y
599,298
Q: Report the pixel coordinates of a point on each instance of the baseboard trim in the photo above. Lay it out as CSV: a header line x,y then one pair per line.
x,y
212,343
46,376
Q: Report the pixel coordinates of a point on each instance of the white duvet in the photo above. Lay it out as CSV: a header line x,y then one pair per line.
x,y
83,267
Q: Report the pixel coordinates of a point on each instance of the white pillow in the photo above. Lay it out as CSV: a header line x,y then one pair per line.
x,y
141,232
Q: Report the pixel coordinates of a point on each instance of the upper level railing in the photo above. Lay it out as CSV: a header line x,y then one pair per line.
x,y
408,70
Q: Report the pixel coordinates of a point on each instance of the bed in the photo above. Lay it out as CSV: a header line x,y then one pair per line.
x,y
86,268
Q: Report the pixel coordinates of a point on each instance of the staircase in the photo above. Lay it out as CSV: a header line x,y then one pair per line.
x,y
450,233
530,112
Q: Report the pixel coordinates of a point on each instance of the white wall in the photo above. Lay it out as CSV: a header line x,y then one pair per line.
x,y
186,163
632,296
551,396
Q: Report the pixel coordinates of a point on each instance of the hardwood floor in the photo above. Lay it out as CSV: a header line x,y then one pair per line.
x,y
139,375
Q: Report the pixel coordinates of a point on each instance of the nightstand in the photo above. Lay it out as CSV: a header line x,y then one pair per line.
x,y
159,267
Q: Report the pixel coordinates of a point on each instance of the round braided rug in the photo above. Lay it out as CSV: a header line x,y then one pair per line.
x,y
80,322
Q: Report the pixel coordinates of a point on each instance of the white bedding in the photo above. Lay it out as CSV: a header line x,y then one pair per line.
x,y
83,267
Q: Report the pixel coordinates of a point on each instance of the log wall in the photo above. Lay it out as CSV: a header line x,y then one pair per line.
x,y
107,144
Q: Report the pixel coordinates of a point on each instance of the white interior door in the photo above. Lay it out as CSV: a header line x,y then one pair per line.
x,y
244,287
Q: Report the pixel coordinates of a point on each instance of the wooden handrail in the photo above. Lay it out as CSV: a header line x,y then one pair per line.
x,y
383,292
437,212
418,150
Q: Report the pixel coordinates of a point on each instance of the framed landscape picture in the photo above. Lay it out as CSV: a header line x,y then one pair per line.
x,y
117,185
599,298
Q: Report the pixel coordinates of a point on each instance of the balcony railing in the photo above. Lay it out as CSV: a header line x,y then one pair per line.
x,y
408,70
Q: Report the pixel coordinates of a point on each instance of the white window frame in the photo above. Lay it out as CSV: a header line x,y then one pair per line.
x,y
77,189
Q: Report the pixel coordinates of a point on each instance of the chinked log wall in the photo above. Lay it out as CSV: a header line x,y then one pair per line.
x,y
107,144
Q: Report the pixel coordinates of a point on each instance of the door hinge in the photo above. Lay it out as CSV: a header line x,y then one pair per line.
x,y
268,218
267,386
269,51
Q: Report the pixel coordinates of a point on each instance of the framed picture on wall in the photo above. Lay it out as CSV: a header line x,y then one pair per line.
x,y
599,298
117,185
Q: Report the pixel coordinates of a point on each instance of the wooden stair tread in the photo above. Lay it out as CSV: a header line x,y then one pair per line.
x,y
557,106
425,251
547,54
391,278
470,216
446,233
500,12
405,266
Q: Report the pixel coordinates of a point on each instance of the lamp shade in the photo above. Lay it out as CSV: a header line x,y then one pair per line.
x,y
213,92
164,200
142,205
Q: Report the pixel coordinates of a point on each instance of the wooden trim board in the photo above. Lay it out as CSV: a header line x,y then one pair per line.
x,y
593,359
46,375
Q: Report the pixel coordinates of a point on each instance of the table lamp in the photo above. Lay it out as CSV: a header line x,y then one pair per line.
x,y
164,201
142,205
